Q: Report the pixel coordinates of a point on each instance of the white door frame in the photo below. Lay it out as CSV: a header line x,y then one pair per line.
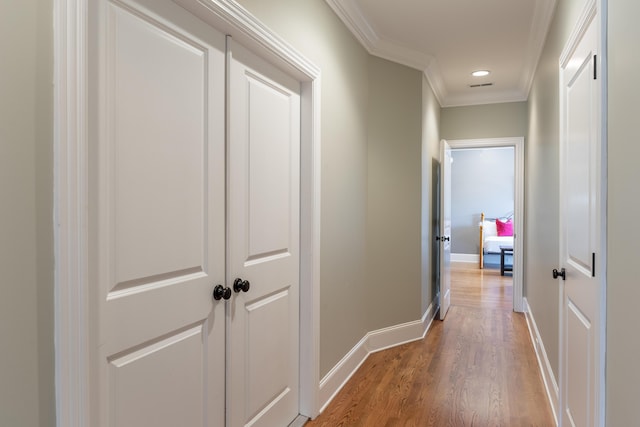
x,y
71,199
518,243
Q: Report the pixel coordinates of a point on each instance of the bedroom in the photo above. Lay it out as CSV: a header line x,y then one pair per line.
x,y
482,184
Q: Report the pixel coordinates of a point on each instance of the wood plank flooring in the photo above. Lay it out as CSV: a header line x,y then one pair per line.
x,y
476,368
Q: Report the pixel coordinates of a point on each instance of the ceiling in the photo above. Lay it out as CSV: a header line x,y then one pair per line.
x,y
449,39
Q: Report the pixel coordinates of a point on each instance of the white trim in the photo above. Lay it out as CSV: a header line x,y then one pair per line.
x,y
372,342
518,231
603,6
365,32
582,25
70,215
353,18
72,355
470,258
351,15
550,383
338,376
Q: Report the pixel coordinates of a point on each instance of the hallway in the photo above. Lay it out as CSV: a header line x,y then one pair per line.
x,y
477,368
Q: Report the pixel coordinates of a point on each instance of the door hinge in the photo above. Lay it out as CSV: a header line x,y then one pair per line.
x,y
593,264
595,67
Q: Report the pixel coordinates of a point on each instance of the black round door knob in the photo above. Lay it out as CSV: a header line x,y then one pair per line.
x,y
562,273
241,285
220,292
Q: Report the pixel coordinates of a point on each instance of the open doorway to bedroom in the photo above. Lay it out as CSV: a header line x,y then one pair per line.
x,y
486,217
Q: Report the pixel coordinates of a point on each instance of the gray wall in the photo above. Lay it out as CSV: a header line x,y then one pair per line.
x,y
541,182
26,248
371,124
484,121
623,292
482,180
393,194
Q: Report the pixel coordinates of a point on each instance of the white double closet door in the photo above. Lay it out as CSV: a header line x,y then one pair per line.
x,y
194,182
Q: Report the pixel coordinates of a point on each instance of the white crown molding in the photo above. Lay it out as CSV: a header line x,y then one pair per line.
x,y
352,17
364,31
231,17
402,55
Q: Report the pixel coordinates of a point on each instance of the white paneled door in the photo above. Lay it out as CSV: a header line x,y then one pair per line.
x,y
581,333
178,210
263,224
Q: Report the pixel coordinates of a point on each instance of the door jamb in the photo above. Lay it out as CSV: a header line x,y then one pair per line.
x,y
71,233
518,144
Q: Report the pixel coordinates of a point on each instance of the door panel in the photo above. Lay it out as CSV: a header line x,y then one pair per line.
x,y
157,99
580,312
269,155
578,377
149,391
445,227
263,218
270,383
151,142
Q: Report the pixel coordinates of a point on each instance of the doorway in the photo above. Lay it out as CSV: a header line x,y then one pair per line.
x,y
517,145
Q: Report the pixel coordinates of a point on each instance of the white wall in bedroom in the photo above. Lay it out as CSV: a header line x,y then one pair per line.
x,y
482,180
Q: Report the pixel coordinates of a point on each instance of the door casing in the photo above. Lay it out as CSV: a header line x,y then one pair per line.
x,y
71,239
518,230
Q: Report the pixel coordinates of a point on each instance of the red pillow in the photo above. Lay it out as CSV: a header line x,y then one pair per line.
x,y
504,228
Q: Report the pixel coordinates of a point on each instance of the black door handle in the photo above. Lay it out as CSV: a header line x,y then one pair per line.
x,y
241,285
220,292
561,273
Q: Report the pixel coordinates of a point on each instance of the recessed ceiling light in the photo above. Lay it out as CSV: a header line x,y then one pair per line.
x,y
480,73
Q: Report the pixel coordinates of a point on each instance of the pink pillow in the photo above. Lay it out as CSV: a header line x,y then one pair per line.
x,y
504,228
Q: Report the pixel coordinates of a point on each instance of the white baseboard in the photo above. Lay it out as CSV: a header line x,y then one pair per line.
x,y
465,258
550,383
372,342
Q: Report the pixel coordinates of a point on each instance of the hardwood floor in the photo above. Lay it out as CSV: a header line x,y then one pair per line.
x,y
476,368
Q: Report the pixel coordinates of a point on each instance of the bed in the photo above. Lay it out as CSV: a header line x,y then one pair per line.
x,y
491,238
